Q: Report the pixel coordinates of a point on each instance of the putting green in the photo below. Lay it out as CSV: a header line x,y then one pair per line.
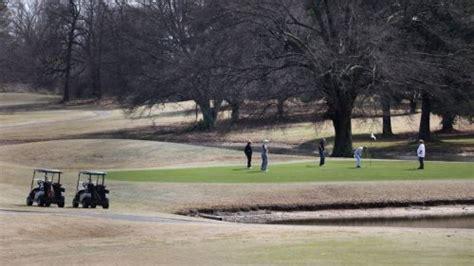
x,y
341,170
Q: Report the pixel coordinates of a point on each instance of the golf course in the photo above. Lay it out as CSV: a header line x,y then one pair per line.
x,y
215,132
158,188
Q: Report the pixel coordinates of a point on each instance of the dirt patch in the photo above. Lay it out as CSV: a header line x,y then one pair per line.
x,y
313,196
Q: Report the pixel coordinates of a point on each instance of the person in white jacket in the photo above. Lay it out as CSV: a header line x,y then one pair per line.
x,y
421,152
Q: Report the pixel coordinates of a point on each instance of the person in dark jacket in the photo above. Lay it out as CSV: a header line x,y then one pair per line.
x,y
322,149
248,153
264,166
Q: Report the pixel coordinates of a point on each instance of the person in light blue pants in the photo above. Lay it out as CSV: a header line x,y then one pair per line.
x,y
358,156
264,166
421,152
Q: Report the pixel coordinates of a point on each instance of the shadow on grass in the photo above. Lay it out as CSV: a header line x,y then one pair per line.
x,y
441,147
413,170
240,169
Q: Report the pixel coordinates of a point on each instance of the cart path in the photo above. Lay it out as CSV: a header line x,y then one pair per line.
x,y
160,218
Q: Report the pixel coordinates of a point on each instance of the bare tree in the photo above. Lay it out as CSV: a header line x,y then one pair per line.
x,y
71,17
92,32
4,39
148,52
180,51
333,40
434,53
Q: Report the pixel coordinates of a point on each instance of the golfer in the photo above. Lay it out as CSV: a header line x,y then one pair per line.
x,y
248,154
264,166
421,152
322,149
358,156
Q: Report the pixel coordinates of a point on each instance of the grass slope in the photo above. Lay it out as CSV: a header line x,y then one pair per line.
x,y
304,172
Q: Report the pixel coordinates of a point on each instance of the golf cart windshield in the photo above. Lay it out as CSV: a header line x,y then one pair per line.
x,y
45,175
90,177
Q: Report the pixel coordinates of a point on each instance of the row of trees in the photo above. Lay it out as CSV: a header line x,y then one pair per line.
x,y
331,53
56,44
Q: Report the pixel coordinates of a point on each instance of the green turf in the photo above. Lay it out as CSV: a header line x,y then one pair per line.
x,y
305,172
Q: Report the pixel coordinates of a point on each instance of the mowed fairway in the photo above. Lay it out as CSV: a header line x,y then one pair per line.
x,y
340,170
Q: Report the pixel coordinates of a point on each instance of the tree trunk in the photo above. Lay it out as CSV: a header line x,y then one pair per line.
x,y
98,71
96,81
70,41
425,133
209,113
281,109
341,114
448,122
340,104
66,96
343,139
67,73
235,115
386,120
413,106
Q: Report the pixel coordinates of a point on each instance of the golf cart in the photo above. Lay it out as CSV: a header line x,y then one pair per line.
x,y
49,190
93,191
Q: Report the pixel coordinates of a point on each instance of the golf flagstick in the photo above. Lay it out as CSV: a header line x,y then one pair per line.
x,y
374,138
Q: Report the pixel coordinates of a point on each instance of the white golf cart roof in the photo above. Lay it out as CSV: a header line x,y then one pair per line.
x,y
45,170
91,172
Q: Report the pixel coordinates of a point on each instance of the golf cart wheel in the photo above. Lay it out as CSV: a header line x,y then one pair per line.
x,y
29,201
41,201
61,202
93,205
75,204
106,204
47,204
85,203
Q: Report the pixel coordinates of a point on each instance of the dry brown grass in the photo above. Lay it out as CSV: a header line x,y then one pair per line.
x,y
15,99
116,153
73,121
297,133
56,124
32,239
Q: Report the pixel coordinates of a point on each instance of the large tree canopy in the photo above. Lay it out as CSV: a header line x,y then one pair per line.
x,y
219,53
